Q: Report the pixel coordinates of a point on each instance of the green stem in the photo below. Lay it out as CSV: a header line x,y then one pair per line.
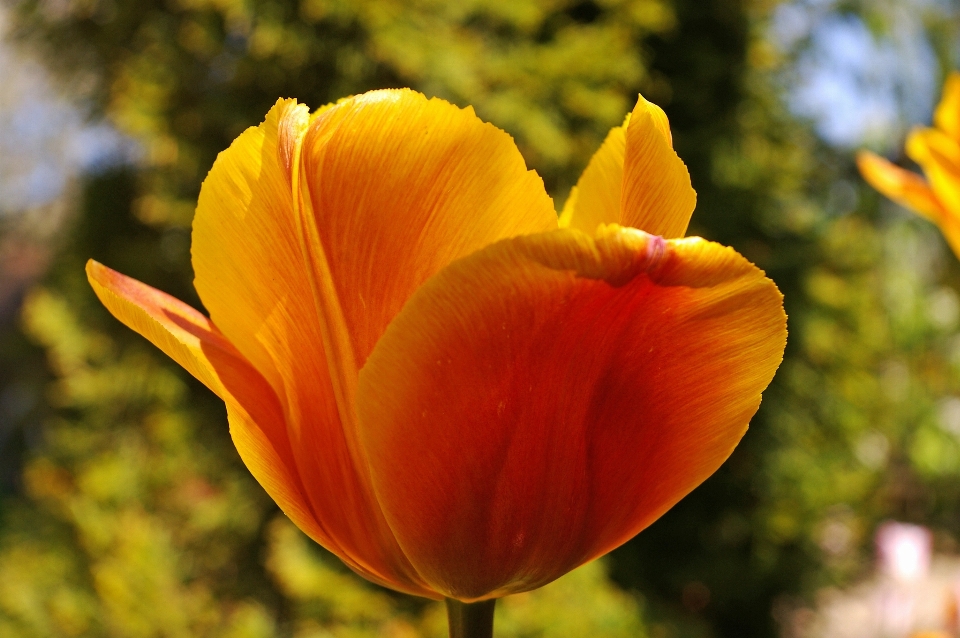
x,y
470,620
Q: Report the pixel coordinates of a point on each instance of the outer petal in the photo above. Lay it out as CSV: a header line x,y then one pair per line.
x,y
244,218
635,179
252,277
256,417
947,115
540,402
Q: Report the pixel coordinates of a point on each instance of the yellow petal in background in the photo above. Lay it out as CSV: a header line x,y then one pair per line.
x,y
902,186
939,157
947,115
911,191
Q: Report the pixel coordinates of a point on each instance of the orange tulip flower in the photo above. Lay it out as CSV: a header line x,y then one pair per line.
x,y
438,382
937,151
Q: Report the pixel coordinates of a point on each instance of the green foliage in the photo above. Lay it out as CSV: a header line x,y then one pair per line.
x,y
136,527
184,77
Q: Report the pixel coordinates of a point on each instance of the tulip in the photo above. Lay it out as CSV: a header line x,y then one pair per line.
x,y
937,151
435,379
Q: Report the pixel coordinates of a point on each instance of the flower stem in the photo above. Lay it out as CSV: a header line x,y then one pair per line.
x,y
470,620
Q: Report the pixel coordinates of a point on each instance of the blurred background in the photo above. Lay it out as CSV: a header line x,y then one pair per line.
x,y
124,508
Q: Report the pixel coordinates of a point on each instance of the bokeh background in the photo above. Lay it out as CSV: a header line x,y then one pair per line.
x,y
124,508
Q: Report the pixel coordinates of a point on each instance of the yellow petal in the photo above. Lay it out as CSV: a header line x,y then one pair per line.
x,y
252,277
904,187
947,115
635,179
595,200
657,195
939,156
950,227
399,186
245,251
538,403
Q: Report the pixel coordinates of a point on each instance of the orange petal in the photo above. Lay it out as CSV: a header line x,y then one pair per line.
x,y
189,338
252,277
595,200
393,187
538,403
947,115
657,195
255,415
904,187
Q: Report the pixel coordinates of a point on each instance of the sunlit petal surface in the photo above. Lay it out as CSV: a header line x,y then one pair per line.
x,y
399,186
635,179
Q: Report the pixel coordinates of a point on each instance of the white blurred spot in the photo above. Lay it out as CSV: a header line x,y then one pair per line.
x,y
872,449
903,551
944,308
949,413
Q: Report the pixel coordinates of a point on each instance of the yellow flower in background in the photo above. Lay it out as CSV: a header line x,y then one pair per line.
x,y
937,151
438,382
